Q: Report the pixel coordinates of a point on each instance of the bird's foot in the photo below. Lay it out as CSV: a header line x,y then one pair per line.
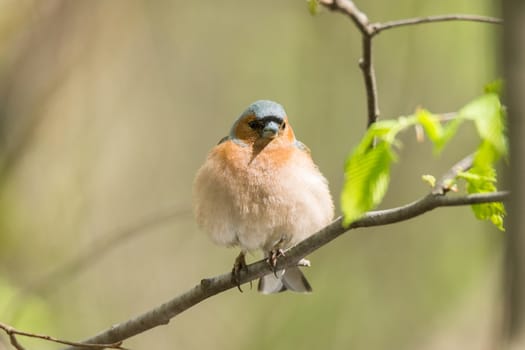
x,y
274,255
238,266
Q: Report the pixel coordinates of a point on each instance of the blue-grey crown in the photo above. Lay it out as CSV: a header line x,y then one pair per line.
x,y
264,108
260,109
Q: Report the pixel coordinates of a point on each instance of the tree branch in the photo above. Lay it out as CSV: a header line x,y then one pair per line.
x,y
369,75
445,183
379,27
13,332
208,287
369,30
350,9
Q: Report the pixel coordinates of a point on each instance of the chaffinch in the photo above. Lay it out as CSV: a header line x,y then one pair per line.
x,y
260,190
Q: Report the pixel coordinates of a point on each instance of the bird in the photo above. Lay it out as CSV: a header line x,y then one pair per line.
x,y
260,190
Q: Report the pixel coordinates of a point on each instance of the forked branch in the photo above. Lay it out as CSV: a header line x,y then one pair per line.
x,y
369,30
13,333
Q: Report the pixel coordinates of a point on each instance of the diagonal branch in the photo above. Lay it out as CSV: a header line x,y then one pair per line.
x,y
445,183
208,287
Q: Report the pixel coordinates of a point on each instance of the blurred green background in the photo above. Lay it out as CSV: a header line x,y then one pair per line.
x,y
107,109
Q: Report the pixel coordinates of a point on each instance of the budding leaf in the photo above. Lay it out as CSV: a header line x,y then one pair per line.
x,y
488,116
313,6
433,128
367,175
495,87
429,179
482,178
367,170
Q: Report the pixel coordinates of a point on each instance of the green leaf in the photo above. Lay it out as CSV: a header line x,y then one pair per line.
x,y
475,178
433,129
495,87
430,123
313,7
437,133
429,179
449,130
481,178
367,170
367,174
488,116
487,113
495,212
379,130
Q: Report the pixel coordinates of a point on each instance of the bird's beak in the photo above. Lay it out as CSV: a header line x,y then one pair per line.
x,y
270,130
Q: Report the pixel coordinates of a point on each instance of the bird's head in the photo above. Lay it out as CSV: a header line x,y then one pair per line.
x,y
261,123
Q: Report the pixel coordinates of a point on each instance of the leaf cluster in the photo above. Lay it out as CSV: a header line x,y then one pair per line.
x,y
367,169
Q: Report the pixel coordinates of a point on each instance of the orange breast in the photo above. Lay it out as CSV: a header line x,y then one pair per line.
x,y
267,157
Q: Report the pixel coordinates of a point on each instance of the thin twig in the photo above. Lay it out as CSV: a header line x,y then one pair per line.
x,y
14,341
13,332
350,9
365,63
162,314
445,183
379,27
446,117
369,30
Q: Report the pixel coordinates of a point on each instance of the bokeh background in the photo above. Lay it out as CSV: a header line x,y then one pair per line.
x,y
107,109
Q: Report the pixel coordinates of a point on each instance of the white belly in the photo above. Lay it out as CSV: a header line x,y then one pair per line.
x,y
255,208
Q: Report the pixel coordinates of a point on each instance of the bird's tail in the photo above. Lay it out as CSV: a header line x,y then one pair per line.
x,y
290,279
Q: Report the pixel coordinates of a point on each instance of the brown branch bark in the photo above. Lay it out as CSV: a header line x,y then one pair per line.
x,y
443,185
369,30
208,287
379,27
13,332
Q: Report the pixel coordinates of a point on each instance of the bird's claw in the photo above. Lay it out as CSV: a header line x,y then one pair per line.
x,y
274,255
238,266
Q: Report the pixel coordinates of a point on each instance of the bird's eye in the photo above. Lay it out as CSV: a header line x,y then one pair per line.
x,y
283,125
255,125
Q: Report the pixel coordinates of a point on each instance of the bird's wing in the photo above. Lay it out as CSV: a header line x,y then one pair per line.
x,y
224,139
302,146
